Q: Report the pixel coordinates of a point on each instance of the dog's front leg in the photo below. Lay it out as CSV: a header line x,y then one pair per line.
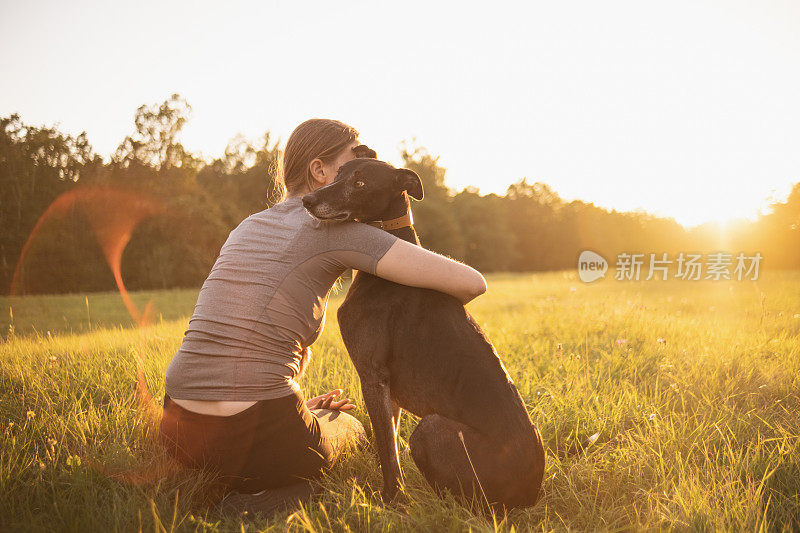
x,y
382,417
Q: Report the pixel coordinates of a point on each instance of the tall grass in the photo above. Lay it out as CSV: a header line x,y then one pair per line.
x,y
691,386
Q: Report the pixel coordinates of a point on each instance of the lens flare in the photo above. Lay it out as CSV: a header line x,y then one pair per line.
x,y
113,215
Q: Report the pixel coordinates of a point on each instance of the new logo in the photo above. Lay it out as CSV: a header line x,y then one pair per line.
x,y
591,266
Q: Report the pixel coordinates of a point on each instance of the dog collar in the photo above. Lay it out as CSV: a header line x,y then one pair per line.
x,y
395,223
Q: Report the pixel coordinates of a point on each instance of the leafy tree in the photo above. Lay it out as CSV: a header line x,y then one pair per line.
x,y
155,143
37,164
435,218
244,180
489,240
529,228
536,215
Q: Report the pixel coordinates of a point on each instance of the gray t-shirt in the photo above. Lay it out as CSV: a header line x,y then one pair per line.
x,y
264,303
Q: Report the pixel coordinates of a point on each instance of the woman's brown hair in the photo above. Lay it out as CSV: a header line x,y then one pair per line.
x,y
318,138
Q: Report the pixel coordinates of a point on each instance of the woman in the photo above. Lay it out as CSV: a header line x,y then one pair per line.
x,y
232,401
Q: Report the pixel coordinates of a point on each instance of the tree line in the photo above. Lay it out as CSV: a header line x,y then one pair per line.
x,y
529,228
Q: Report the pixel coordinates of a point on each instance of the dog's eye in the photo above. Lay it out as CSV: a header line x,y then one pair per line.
x,y
359,184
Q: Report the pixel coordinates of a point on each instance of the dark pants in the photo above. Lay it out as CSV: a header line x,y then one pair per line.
x,y
270,444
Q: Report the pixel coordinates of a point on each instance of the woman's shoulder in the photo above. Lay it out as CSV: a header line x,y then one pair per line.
x,y
276,228
286,216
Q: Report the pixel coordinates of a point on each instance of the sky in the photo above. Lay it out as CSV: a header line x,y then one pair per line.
x,y
684,109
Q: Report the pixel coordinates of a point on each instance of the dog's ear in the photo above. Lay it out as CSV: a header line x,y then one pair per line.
x,y
410,182
362,150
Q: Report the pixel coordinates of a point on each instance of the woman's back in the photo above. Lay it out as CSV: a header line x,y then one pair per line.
x,y
264,303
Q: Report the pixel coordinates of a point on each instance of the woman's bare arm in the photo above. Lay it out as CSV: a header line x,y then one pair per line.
x,y
413,265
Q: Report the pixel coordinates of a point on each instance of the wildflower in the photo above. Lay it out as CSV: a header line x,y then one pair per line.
x,y
661,340
73,460
621,341
31,414
53,358
653,416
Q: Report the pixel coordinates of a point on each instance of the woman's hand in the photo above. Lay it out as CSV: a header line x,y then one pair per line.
x,y
326,401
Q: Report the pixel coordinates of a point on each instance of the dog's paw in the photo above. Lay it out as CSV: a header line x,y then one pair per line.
x,y
394,498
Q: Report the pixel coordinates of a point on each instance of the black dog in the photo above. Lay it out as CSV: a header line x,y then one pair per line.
x,y
419,350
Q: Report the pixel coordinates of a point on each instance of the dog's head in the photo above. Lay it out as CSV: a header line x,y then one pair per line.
x,y
363,189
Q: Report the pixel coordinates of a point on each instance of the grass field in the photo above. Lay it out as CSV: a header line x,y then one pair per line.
x,y
692,387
